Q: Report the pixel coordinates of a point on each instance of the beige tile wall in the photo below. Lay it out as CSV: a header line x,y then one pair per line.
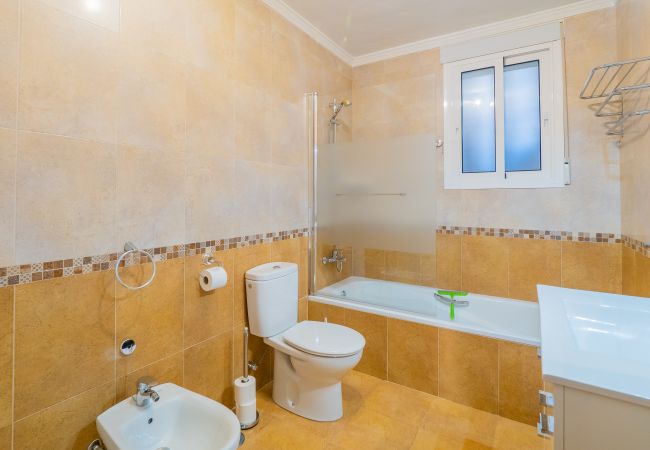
x,y
633,34
504,267
67,334
517,266
488,374
155,122
404,96
636,273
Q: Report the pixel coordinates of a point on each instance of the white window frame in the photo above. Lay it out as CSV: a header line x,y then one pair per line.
x,y
554,171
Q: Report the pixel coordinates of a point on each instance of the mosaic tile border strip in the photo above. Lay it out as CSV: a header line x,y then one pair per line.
x,y
637,246
605,238
30,273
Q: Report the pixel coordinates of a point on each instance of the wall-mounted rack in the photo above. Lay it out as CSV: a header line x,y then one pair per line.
x,y
611,82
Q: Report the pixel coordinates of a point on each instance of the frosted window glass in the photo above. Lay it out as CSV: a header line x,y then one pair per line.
x,y
523,146
478,124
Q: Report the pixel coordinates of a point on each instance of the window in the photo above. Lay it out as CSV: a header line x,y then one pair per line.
x,y
504,120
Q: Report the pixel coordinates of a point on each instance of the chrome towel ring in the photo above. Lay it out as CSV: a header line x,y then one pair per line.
x,y
129,248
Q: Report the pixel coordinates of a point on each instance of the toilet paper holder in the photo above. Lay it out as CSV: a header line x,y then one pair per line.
x,y
208,260
245,378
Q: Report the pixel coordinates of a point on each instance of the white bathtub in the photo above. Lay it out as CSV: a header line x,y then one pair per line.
x,y
495,317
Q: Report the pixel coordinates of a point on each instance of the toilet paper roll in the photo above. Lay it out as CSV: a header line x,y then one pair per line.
x,y
213,278
245,390
246,413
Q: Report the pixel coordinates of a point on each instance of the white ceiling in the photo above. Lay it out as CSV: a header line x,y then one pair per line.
x,y
361,27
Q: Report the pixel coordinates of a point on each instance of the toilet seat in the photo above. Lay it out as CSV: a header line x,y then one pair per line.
x,y
324,339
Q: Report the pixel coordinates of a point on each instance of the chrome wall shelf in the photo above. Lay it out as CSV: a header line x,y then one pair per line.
x,y
611,82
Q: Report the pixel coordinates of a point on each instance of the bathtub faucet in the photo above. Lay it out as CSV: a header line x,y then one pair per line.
x,y
336,257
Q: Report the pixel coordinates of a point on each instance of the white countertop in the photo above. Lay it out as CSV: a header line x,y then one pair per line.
x,y
597,342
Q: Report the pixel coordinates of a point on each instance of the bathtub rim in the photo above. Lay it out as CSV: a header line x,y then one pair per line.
x,y
426,320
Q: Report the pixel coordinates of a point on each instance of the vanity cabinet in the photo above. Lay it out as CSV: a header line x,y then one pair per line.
x,y
595,352
589,421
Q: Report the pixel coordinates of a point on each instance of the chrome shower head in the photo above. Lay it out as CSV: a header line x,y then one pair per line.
x,y
337,107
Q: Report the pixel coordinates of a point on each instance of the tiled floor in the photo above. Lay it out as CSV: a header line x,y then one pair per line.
x,y
383,415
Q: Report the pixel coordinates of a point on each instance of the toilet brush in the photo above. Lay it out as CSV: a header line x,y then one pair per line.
x,y
245,393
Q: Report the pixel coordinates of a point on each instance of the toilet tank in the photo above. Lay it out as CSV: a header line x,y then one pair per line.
x,y
272,298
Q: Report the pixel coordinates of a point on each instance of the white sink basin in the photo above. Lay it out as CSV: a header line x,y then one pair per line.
x,y
596,341
180,420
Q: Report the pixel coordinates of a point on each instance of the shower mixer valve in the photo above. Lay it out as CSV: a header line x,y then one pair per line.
x,y
336,257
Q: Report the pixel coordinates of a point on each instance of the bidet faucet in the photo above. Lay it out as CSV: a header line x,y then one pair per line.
x,y
145,396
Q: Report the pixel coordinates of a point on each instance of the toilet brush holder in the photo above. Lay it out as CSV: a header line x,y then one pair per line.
x,y
245,393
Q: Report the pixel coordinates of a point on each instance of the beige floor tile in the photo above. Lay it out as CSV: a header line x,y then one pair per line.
x,y
371,429
460,422
361,383
282,430
399,402
431,440
511,435
382,415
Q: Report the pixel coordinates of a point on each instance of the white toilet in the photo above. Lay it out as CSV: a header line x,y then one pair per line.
x,y
311,358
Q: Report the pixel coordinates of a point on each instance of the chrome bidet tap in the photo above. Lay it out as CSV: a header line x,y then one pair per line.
x,y
145,396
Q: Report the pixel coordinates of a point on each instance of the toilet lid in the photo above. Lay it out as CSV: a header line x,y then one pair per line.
x,y
324,339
